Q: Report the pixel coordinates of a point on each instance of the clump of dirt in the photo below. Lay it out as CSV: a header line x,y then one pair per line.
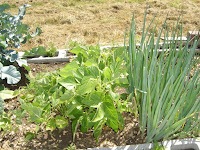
x,y
48,67
63,139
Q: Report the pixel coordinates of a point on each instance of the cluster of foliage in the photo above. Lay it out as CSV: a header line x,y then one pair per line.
x,y
166,94
162,91
83,91
12,33
40,51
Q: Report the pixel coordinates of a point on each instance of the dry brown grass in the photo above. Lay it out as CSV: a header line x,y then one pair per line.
x,y
100,21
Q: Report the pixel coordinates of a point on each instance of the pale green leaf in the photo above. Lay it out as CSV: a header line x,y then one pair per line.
x,y
93,99
7,94
69,83
88,85
99,114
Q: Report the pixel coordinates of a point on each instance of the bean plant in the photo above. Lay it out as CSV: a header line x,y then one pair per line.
x,y
83,91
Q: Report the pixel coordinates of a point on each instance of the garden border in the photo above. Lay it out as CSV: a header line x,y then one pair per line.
x,y
61,53
182,144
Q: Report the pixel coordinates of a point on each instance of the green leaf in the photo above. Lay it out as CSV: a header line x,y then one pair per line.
x,y
113,124
99,115
107,74
93,99
61,122
22,62
22,11
110,111
69,83
98,129
68,69
67,96
120,121
90,62
7,94
29,136
79,50
79,74
101,65
75,124
11,74
54,100
93,71
35,114
51,124
84,123
88,85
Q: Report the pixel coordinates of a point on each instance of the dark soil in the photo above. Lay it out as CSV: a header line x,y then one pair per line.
x,y
47,140
22,82
38,68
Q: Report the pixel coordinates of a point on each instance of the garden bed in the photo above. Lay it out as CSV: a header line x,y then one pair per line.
x,y
103,97
63,139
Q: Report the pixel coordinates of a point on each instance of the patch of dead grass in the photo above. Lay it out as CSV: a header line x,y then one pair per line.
x,y
100,21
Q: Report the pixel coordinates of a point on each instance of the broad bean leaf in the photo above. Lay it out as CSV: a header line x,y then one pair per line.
x,y
68,69
113,124
90,62
107,74
93,71
61,122
84,123
75,124
66,97
120,121
79,74
110,111
98,129
88,85
79,50
35,114
51,124
29,136
93,99
69,83
99,115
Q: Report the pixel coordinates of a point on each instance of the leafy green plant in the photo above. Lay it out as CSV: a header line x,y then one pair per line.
x,y
12,33
40,51
40,100
90,80
166,94
83,91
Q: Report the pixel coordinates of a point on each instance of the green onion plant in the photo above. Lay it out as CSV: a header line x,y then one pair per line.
x,y
164,83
